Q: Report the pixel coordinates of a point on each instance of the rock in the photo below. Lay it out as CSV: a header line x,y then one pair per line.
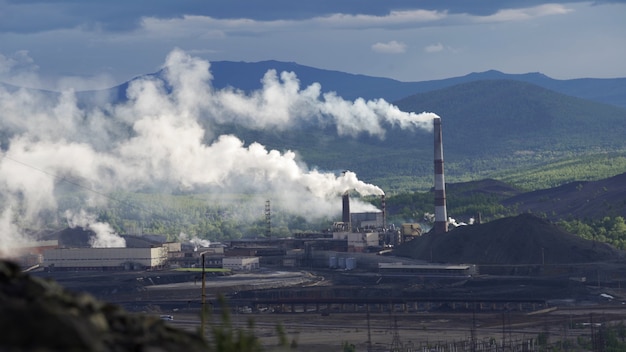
x,y
39,314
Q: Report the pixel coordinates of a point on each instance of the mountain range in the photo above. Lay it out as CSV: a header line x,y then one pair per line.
x,y
246,76
494,124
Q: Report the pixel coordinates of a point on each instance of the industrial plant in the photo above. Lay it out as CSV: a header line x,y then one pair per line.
x,y
348,268
365,232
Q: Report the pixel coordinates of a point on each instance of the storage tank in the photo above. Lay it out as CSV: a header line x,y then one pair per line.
x,y
341,263
351,263
332,262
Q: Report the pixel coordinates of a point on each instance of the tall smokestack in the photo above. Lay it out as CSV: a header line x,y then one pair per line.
x,y
441,216
346,208
383,205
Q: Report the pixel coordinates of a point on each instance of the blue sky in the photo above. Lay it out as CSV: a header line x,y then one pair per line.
x,y
60,43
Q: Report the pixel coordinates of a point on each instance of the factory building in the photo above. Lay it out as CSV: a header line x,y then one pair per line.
x,y
30,254
105,258
240,263
365,221
358,241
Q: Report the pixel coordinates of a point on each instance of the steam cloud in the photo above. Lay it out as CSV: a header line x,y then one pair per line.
x,y
105,236
156,138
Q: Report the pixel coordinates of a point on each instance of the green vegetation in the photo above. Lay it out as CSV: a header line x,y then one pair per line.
x,y
222,217
608,230
205,216
575,168
412,206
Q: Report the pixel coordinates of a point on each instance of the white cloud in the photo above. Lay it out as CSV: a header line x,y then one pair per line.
x,y
407,18
392,47
335,37
434,48
524,14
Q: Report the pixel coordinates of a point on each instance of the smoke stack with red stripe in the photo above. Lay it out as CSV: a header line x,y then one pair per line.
x,y
441,216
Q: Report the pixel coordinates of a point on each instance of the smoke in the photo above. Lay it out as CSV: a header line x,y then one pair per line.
x,y
194,241
280,104
155,139
105,236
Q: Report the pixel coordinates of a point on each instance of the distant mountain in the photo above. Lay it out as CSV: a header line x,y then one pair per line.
x,y
247,76
511,119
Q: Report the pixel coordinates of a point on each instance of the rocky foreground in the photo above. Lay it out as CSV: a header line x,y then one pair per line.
x,y
38,314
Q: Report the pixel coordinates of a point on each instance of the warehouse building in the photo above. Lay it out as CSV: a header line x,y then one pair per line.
x,y
105,258
240,263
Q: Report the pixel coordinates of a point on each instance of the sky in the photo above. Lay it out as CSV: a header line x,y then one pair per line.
x,y
58,44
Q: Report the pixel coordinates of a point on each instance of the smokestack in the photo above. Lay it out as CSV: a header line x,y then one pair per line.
x,y
383,205
441,216
346,208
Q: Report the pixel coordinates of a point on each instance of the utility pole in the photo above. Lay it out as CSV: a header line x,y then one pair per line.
x,y
473,332
268,220
203,313
369,332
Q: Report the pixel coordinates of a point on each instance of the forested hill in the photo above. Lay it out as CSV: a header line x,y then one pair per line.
x,y
505,117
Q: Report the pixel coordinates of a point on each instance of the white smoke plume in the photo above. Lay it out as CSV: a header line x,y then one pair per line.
x,y
156,138
105,236
195,241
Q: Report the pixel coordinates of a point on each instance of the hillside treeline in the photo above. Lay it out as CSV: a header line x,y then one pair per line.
x,y
610,230
196,216
239,216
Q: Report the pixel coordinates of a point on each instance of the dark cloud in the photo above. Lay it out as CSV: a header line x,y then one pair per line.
x,y
119,15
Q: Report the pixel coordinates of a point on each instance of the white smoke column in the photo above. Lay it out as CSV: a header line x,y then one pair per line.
x,y
11,236
105,236
157,140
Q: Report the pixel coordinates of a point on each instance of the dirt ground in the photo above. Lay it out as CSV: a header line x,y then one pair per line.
x,y
157,293
414,331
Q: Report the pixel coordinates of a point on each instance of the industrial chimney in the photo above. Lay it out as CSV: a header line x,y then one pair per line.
x,y
383,205
441,216
346,209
